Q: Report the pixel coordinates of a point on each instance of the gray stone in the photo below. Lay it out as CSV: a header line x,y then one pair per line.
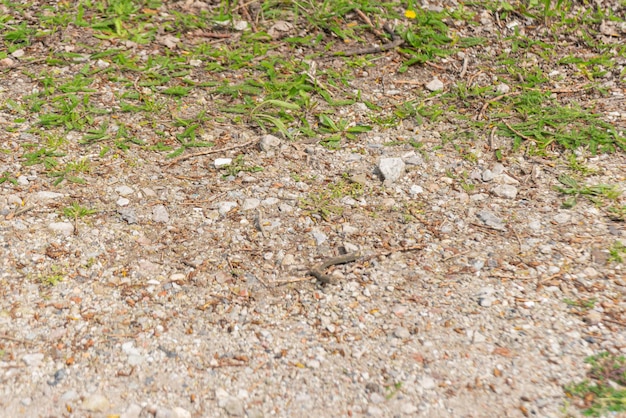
x,y
128,215
254,413
133,411
270,201
159,214
562,218
124,190
32,360
408,409
15,200
69,396
122,201
506,191
269,142
488,175
391,168
41,196
535,225
491,220
224,207
319,236
64,228
415,190
164,413
95,403
234,407
249,204
402,332
374,411
181,412
435,85
503,88
427,383
22,181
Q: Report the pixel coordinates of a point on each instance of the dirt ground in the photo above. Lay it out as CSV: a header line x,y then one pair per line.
x,y
312,209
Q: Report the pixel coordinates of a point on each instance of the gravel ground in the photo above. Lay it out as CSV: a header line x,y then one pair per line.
x,y
188,293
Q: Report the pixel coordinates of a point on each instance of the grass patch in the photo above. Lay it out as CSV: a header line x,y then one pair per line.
x,y
599,395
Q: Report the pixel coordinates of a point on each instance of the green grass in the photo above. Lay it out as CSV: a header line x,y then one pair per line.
x,y
253,81
597,396
595,193
617,250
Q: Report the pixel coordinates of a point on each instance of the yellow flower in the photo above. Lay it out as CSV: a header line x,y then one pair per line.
x,y
410,14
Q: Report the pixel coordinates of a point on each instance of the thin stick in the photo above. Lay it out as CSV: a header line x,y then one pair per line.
x,y
17,340
521,135
495,99
464,67
207,152
296,280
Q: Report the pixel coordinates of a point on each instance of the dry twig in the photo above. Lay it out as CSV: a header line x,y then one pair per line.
x,y
207,152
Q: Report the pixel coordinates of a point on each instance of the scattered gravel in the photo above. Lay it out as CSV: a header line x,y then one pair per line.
x,y
187,294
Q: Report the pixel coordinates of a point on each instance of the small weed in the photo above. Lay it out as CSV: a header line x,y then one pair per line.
x,y
238,165
5,176
581,305
617,213
393,390
321,202
599,395
593,193
70,171
76,211
617,250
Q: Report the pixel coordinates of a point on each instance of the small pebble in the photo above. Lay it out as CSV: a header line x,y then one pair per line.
x,y
506,191
402,333
491,220
33,360
132,411
160,214
435,85
391,169
95,403
269,142
124,190
63,228
222,162
224,207
249,204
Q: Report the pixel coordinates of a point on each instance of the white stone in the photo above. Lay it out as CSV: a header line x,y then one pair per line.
x,y
391,168
249,204
503,88
505,191
39,196
427,382
133,411
159,214
64,228
224,207
415,190
435,85
95,403
269,142
32,360
562,218
124,190
122,201
222,162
